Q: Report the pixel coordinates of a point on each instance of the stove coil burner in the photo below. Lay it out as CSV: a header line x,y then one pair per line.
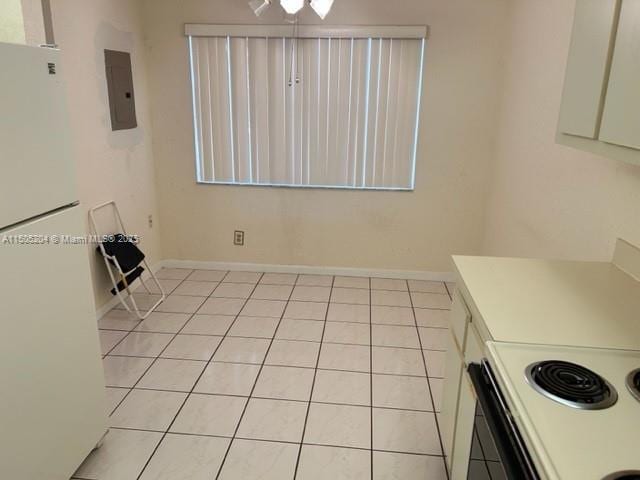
x,y
571,385
633,383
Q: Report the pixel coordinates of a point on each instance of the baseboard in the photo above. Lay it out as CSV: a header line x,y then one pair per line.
x,y
307,269
100,312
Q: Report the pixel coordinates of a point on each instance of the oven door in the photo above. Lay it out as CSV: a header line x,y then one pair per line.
x,y
497,451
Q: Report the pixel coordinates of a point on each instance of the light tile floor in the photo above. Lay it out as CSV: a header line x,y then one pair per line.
x,y
247,375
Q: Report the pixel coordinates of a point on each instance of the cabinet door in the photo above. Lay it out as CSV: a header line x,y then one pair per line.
x,y
453,374
621,119
473,352
587,67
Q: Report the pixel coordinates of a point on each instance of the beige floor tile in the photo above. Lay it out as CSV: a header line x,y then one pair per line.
x,y
148,410
432,318
114,397
411,393
339,312
384,315
435,363
293,354
394,336
143,300
355,296
162,322
200,289
401,466
242,350
124,371
339,425
427,286
176,375
207,276
343,332
259,460
389,284
209,415
333,463
397,361
264,308
430,300
351,282
173,273
222,306
434,338
311,293
168,285
390,298
345,357
272,292
287,383
109,339
405,431
279,420
306,310
122,456
315,280
436,390
243,277
342,387
259,327
143,344
116,319
294,329
233,290
186,457
180,304
192,347
228,379
279,279
208,324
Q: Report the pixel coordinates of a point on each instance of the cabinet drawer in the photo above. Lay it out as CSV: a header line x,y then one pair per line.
x,y
459,318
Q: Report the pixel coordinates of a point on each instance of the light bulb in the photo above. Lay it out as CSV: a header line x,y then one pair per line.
x,y
292,6
322,7
259,6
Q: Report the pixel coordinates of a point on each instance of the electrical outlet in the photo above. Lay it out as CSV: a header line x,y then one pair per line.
x,y
150,221
238,237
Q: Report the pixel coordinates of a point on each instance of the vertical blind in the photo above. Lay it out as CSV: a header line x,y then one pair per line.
x,y
350,121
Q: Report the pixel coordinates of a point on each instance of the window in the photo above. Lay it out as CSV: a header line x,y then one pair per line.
x,y
332,107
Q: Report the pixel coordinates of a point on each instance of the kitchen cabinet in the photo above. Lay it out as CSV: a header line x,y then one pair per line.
x,y
621,117
587,67
600,108
454,364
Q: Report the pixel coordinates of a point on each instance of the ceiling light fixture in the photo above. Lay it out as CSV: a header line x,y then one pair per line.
x,y
321,7
292,6
259,6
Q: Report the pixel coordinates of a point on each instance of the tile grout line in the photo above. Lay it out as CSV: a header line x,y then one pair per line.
x,y
246,405
313,383
371,380
424,362
166,432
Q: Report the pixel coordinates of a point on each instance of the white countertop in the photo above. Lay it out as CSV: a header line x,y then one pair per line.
x,y
589,304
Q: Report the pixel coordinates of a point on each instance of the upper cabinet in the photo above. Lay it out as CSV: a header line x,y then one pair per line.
x,y
587,67
621,118
600,110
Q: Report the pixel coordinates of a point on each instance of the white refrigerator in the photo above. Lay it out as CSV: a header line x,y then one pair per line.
x,y
52,395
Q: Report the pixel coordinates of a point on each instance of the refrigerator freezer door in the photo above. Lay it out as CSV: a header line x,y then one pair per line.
x,y
38,173
52,407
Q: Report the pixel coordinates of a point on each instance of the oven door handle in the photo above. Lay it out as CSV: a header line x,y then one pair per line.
x,y
515,459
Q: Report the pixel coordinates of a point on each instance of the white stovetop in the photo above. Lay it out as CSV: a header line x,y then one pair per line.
x,y
572,444
589,304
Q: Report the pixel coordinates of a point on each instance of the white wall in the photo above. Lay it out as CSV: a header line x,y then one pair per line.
x,y
111,165
11,22
414,231
548,200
